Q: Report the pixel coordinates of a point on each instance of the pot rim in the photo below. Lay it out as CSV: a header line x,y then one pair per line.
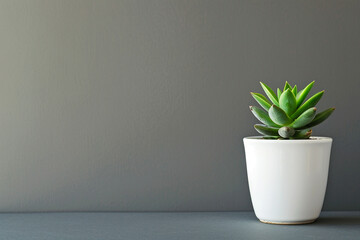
x,y
314,139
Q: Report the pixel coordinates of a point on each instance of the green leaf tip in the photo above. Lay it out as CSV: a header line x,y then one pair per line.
x,y
266,130
263,116
264,103
286,132
319,118
287,86
300,97
311,102
270,93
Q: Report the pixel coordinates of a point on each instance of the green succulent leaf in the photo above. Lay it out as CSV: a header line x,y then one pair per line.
x,y
299,92
261,99
262,116
270,93
286,132
320,117
302,134
294,90
278,116
287,86
304,119
286,114
288,102
279,92
311,102
300,97
266,130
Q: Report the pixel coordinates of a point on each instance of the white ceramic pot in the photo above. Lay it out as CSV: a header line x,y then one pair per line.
x,y
287,178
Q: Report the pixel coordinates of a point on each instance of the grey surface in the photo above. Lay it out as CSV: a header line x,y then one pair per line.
x,y
142,105
159,226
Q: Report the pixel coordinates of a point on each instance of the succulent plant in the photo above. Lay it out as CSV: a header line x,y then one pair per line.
x,y
286,115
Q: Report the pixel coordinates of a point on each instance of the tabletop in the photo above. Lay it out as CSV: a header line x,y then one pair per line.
x,y
171,225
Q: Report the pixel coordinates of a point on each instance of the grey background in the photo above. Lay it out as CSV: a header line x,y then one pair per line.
x,y
142,105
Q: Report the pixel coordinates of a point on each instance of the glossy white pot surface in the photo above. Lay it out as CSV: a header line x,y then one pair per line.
x,y
287,178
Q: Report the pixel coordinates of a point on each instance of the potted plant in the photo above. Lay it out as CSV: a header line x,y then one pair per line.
x,y
287,168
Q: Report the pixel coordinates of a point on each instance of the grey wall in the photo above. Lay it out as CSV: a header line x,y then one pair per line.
x,y
142,105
